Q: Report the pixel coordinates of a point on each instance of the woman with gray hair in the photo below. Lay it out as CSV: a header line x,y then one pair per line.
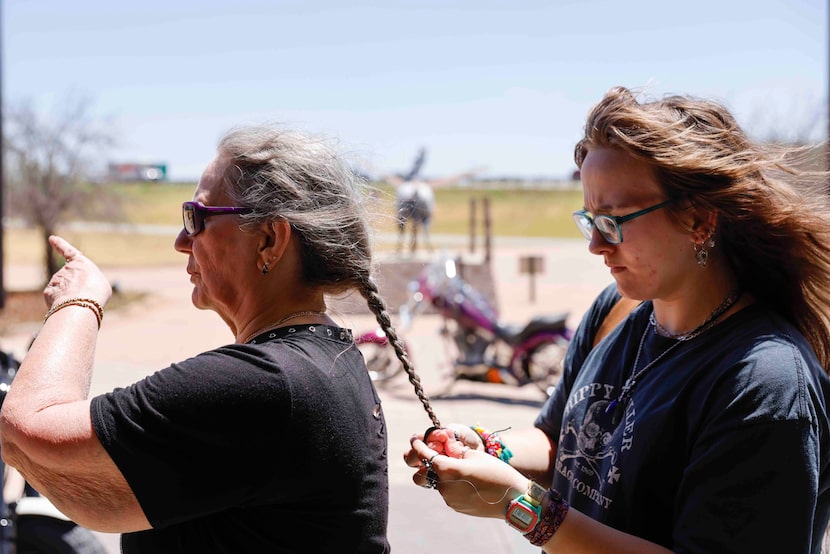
x,y
275,226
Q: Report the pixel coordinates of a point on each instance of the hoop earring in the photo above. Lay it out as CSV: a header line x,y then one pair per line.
x,y
702,251
265,268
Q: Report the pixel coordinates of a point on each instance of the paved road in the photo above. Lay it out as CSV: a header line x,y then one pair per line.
x,y
165,328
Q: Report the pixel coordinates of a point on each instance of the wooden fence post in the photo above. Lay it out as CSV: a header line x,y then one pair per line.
x,y
472,225
487,230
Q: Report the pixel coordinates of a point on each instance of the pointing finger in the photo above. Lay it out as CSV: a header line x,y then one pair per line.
x,y
63,247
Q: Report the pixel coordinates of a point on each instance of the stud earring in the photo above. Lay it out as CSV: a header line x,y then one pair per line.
x,y
265,268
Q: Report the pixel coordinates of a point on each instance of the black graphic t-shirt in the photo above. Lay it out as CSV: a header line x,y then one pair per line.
x,y
724,445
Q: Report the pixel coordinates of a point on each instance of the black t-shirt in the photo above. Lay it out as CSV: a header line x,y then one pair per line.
x,y
273,447
724,446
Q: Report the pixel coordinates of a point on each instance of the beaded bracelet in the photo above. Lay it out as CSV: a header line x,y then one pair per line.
x,y
96,308
553,514
493,444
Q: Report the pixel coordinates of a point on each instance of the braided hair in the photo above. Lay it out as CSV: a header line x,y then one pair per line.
x,y
299,178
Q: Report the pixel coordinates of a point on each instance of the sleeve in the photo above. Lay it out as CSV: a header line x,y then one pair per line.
x,y
549,419
174,433
751,483
750,489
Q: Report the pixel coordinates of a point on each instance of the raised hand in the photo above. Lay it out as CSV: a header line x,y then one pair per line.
x,y
78,278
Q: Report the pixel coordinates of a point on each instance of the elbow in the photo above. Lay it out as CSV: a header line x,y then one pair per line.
x,y
8,432
19,440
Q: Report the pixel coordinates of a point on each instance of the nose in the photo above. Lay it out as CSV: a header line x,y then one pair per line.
x,y
182,242
598,245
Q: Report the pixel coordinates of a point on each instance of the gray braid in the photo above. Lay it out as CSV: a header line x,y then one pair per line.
x,y
369,290
298,178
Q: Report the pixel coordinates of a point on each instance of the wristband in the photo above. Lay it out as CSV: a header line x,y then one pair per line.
x,y
553,514
493,444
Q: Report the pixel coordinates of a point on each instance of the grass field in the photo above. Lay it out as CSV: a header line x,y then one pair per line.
x,y
514,213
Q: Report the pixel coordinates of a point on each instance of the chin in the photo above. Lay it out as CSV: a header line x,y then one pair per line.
x,y
196,299
624,290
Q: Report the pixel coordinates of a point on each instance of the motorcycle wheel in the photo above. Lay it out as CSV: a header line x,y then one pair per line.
x,y
46,535
543,365
380,361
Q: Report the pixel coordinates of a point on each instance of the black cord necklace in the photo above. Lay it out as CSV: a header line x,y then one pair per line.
x,y
618,404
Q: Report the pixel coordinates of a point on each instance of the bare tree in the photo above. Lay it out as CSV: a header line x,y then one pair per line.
x,y
47,167
800,123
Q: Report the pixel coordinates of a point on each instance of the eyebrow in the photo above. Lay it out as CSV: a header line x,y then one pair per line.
x,y
602,210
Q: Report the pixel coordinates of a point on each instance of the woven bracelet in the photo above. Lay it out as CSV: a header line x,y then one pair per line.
x,y
493,444
96,308
553,514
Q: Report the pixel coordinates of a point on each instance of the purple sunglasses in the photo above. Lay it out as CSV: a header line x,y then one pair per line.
x,y
194,214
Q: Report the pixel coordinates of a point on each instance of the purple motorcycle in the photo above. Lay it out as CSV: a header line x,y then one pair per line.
x,y
479,346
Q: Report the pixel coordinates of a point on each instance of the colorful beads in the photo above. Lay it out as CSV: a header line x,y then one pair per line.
x,y
493,444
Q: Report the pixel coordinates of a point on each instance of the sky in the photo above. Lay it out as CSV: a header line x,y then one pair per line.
x,y
502,87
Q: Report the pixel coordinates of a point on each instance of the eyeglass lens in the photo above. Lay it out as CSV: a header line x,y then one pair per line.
x,y
606,226
584,224
190,219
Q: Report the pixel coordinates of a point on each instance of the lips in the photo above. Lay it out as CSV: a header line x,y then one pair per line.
x,y
615,268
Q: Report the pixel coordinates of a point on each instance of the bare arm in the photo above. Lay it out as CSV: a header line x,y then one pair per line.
x,y
480,485
533,453
45,423
579,534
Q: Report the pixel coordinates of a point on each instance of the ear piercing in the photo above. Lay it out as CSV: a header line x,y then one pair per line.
x,y
702,251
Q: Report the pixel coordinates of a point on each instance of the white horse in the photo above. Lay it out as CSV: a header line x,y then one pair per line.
x,y
415,200
414,203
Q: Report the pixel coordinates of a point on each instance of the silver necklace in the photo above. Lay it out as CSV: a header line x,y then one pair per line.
x,y
618,404
281,321
663,332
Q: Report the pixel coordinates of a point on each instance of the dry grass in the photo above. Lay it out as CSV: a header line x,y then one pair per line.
x,y
530,213
513,212
25,246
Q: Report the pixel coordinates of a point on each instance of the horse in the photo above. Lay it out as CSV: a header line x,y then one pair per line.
x,y
415,199
414,204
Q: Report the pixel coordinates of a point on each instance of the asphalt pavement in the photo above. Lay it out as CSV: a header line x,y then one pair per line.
x,y
165,327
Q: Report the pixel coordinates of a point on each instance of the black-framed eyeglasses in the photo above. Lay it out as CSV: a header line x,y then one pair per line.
x,y
609,225
194,214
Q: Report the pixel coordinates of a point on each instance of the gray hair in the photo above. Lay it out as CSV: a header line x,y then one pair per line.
x,y
299,178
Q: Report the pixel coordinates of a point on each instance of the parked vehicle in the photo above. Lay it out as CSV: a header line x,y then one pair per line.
x,y
479,346
29,523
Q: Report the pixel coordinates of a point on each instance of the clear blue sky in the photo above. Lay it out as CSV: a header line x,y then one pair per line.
x,y
504,85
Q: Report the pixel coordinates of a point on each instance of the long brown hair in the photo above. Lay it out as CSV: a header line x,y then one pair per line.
x,y
773,213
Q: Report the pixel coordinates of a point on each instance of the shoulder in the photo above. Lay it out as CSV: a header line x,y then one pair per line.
x,y
606,299
598,310
764,365
603,316
585,336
